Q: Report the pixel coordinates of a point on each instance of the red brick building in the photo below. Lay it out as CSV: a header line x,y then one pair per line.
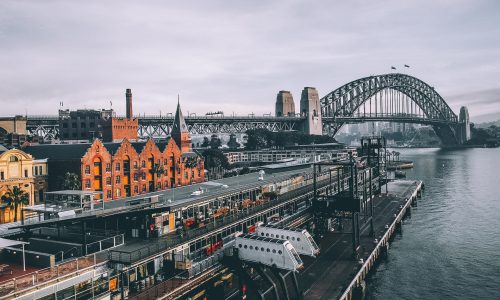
x,y
126,168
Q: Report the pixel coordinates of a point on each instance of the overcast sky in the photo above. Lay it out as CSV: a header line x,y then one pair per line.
x,y
236,55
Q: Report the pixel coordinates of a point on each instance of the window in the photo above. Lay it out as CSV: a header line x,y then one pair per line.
x,y
117,168
143,188
239,245
117,179
268,250
108,180
143,164
87,170
25,173
136,176
2,175
36,171
274,251
136,189
40,170
82,125
279,252
245,246
143,176
251,247
108,194
13,159
87,184
117,193
135,165
73,125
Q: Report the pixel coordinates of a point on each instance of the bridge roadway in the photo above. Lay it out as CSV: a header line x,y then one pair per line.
x,y
327,276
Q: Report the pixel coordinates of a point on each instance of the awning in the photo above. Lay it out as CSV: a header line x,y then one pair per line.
x,y
9,243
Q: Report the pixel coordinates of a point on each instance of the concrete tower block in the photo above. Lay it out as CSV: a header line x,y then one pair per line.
x,y
463,119
310,110
285,107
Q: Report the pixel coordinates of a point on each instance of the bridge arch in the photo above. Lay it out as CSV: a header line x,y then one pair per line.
x,y
342,104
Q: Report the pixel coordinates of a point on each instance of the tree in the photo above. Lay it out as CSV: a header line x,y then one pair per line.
x,y
257,139
156,170
16,198
215,142
71,181
190,162
206,142
233,144
215,158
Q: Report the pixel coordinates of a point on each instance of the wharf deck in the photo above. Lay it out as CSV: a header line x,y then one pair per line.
x,y
333,274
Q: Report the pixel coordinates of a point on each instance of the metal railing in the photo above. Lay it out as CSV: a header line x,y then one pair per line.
x,y
104,244
44,277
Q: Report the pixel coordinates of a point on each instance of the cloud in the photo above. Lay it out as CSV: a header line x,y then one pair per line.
x,y
235,56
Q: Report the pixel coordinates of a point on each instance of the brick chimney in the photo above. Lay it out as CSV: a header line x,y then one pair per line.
x,y
128,100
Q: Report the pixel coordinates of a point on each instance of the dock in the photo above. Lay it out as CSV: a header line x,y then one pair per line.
x,y
336,274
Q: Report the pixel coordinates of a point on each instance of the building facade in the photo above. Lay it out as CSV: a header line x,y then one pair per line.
x,y
87,124
126,168
18,168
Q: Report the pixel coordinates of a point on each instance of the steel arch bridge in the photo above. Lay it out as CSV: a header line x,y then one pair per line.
x,y
393,98
389,97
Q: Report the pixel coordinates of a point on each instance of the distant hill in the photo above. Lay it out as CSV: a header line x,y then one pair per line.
x,y
487,118
487,124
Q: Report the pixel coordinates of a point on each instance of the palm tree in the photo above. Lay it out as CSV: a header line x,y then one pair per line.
x,y
14,198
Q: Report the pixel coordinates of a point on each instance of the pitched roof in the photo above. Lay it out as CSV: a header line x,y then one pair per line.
x,y
112,147
3,149
179,122
58,151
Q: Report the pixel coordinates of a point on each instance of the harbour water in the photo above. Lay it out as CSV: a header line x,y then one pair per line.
x,y
450,248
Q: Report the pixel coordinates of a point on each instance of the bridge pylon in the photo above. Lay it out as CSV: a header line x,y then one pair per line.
x,y
310,111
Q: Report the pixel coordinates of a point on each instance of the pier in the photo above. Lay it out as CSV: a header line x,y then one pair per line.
x,y
335,274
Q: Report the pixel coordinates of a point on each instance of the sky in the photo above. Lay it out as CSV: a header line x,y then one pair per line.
x,y
234,56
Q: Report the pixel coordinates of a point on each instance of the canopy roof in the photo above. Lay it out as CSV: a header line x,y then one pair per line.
x,y
9,243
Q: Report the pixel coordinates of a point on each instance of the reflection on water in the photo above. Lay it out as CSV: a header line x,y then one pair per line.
x,y
450,249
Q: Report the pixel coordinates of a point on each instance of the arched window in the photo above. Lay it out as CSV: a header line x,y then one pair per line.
x,y
13,158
